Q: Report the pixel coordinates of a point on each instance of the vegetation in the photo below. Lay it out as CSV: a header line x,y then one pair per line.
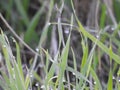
x,y
59,45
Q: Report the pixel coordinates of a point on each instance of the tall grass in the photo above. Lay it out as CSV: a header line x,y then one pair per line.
x,y
55,70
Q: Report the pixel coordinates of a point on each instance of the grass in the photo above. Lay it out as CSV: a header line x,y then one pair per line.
x,y
51,72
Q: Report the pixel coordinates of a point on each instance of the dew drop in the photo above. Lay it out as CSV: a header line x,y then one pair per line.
x,y
94,82
71,25
63,80
14,40
113,28
113,77
73,73
49,23
119,80
66,31
31,75
97,36
37,50
4,46
42,86
37,84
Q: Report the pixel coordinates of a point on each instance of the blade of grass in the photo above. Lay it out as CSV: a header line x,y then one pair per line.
x,y
32,25
63,64
5,84
103,16
45,29
8,64
19,60
22,11
60,31
74,59
50,74
118,75
26,4
95,77
18,79
86,69
78,74
85,53
116,7
75,68
110,82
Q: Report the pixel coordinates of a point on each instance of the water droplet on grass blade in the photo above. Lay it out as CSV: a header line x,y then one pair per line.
x,y
97,36
31,75
37,50
94,82
42,87
37,84
113,77
119,80
73,73
4,46
49,24
14,40
64,80
66,31
113,28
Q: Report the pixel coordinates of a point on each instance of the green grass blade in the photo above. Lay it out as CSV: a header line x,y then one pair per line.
x,y
78,74
50,75
27,81
74,60
22,11
63,64
60,32
85,54
64,55
5,83
45,29
26,4
110,81
103,16
6,55
32,25
8,58
116,7
19,61
95,77
18,79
